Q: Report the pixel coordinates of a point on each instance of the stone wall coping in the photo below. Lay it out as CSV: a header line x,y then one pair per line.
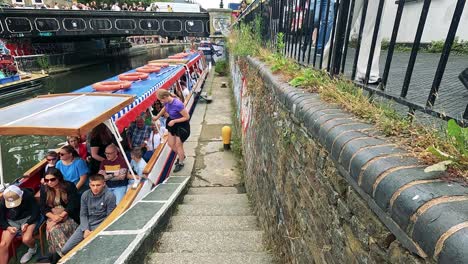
x,y
126,239
428,215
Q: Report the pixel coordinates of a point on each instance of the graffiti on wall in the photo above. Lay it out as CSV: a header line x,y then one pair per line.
x,y
241,94
221,25
3,48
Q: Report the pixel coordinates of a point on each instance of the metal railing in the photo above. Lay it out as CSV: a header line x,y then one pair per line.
x,y
318,34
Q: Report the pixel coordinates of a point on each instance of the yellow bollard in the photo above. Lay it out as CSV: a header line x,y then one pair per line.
x,y
226,134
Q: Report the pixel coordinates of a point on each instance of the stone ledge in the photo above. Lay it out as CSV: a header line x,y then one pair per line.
x,y
427,215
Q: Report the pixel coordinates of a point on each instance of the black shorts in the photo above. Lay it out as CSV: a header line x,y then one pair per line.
x,y
181,130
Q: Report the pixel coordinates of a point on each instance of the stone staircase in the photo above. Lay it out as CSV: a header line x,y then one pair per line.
x,y
213,225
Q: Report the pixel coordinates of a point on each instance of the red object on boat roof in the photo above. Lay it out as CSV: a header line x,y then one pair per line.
x,y
133,76
148,69
124,121
111,86
158,64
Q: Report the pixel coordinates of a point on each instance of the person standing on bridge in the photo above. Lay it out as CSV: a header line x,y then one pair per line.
x,y
366,42
177,124
115,7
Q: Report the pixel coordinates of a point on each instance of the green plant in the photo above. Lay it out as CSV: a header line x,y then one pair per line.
x,y
459,47
221,67
458,138
246,39
280,43
43,62
310,79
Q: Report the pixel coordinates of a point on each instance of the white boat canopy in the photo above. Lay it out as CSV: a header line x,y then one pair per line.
x,y
70,114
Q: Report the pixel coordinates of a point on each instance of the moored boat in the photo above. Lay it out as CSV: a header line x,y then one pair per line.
x,y
26,120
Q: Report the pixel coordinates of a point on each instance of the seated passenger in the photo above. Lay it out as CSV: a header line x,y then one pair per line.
x,y
99,138
60,203
80,148
138,164
138,133
52,158
18,216
115,172
157,107
73,168
96,205
156,138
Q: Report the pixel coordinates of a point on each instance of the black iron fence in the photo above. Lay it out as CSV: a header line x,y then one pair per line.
x,y
318,33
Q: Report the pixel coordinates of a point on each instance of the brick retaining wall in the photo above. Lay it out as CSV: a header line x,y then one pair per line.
x,y
329,188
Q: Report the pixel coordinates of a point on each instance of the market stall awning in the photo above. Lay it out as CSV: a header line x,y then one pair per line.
x,y
61,114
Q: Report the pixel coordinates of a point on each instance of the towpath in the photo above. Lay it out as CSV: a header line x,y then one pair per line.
x,y
214,222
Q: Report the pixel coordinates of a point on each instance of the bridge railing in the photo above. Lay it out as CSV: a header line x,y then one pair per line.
x,y
318,33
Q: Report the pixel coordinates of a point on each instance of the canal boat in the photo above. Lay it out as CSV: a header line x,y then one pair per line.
x,y
78,112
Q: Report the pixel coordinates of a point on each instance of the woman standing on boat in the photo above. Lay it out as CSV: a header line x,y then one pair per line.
x,y
99,138
177,124
61,205
72,167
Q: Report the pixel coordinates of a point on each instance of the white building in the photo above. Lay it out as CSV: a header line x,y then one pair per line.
x,y
437,23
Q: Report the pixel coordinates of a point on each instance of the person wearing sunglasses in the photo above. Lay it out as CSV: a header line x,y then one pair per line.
x,y
51,158
73,168
115,170
60,203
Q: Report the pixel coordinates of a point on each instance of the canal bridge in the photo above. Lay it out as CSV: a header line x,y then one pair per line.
x,y
51,23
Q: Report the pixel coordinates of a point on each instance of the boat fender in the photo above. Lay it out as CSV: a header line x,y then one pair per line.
x,y
176,57
148,69
111,85
158,64
133,76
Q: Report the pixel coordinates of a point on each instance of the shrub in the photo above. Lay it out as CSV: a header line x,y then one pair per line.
x,y
221,67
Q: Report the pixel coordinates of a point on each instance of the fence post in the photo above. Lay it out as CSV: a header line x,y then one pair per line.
x,y
340,36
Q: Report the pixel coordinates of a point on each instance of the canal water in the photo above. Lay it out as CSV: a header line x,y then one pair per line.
x,y
19,153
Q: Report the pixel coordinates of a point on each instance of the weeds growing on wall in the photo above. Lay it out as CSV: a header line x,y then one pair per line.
x,y
243,40
427,143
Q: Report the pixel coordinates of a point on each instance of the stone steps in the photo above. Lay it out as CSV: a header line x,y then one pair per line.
x,y
211,242
212,258
213,210
213,223
216,199
213,190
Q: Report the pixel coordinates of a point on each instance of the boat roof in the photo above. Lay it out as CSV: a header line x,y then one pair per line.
x,y
61,114
144,91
